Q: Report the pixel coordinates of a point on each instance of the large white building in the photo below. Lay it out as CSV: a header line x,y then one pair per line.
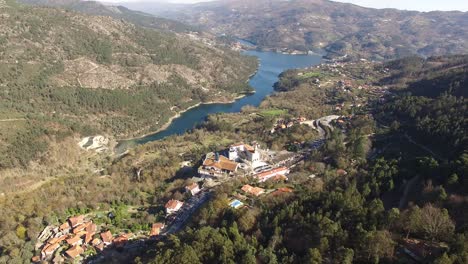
x,y
245,152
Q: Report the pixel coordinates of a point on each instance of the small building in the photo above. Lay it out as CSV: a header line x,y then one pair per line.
x,y
76,220
75,251
193,188
56,240
341,172
106,237
173,206
65,227
36,259
256,191
74,240
156,229
96,242
49,249
121,240
90,231
285,190
216,165
79,228
264,176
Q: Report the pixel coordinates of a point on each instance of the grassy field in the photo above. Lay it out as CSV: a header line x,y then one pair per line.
x,y
273,112
308,75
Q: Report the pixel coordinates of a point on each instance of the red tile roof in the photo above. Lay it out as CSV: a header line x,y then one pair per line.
x,y
192,186
57,239
341,172
100,246
106,237
64,226
96,242
156,228
222,164
50,248
75,251
90,231
285,189
252,190
79,228
173,204
72,241
121,239
77,220
271,173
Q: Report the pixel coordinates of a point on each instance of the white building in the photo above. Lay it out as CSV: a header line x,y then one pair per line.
x,y
245,152
193,188
266,175
173,206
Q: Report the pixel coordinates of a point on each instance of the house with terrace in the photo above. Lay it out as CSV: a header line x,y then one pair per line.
x,y
216,165
280,172
245,153
193,188
173,206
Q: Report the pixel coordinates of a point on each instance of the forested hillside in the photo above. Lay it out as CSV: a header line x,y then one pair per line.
x,y
120,12
378,183
63,73
338,28
406,163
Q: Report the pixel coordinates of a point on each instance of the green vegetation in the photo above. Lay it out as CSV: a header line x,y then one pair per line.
x,y
308,75
273,112
88,74
380,177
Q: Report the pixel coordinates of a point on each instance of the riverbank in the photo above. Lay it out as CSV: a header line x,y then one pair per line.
x,y
179,113
270,66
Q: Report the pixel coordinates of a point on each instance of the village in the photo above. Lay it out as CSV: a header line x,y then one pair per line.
x,y
79,237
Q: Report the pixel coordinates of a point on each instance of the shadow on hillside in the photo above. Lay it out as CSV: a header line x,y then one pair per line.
x,y
125,253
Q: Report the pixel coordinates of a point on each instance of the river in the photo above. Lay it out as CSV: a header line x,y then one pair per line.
x,y
271,65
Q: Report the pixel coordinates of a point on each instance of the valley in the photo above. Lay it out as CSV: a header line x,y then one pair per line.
x,y
131,138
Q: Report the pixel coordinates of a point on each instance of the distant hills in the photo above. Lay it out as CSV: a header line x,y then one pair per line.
x,y
116,11
338,28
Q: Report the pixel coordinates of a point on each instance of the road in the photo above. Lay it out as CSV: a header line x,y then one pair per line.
x,y
12,119
178,220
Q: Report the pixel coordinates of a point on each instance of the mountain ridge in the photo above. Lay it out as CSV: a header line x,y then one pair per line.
x,y
339,28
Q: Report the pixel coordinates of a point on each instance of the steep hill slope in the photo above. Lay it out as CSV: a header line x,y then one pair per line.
x,y
120,12
336,27
59,68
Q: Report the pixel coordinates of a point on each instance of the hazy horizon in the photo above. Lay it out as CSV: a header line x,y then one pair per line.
x,y
418,5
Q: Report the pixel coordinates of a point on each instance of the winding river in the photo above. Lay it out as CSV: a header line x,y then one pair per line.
x,y
271,65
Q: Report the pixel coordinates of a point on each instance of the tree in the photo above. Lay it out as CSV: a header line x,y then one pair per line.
x,y
436,222
453,179
21,232
314,256
186,255
345,256
444,259
379,244
411,220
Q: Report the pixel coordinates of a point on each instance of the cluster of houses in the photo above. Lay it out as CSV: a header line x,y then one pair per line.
x,y
75,236
78,235
282,124
227,163
240,160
